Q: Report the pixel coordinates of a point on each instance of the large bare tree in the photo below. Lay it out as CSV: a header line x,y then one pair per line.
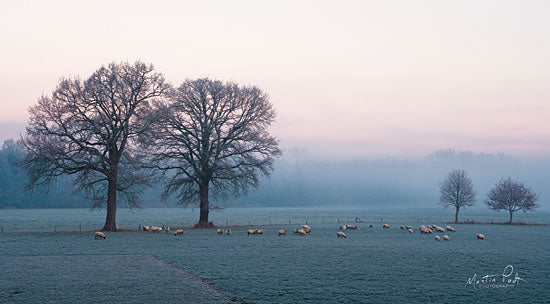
x,y
457,191
212,138
511,195
87,129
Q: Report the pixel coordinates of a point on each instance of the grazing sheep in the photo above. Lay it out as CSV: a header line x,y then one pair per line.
x,y
156,229
99,235
219,231
343,227
145,228
449,228
179,231
167,229
253,231
371,225
410,230
446,238
437,238
408,227
306,228
440,229
228,231
430,226
386,226
282,232
480,236
402,227
260,231
351,226
341,234
301,232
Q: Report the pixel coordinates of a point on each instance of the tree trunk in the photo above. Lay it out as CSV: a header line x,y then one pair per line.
x,y
110,222
456,215
510,217
205,208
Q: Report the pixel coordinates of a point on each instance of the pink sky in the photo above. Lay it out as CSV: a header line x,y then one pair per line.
x,y
354,78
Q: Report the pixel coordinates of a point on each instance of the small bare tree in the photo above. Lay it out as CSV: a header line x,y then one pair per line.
x,y
212,134
86,129
457,191
511,195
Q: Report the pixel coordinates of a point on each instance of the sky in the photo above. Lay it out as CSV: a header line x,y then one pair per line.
x,y
347,78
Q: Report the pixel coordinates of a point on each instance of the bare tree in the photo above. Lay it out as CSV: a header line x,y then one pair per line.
x,y
87,129
457,191
511,195
212,134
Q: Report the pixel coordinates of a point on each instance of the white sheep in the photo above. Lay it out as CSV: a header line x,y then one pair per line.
x,y
228,231
343,227
219,231
351,226
145,228
437,238
386,226
341,234
301,232
282,232
99,235
306,228
253,231
480,236
156,229
449,228
409,227
179,231
260,231
410,230
446,238
402,227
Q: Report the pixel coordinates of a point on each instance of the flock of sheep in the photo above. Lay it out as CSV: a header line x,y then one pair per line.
x,y
305,229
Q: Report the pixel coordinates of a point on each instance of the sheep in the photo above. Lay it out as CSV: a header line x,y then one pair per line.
x,y
386,226
156,229
351,226
449,228
301,232
99,235
446,238
409,227
219,231
341,234
179,231
167,229
282,232
440,229
306,228
343,227
437,238
228,231
253,231
402,227
145,228
480,236
260,231
410,230
430,226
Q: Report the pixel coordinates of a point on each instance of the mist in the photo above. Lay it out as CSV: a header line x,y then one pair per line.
x,y
404,182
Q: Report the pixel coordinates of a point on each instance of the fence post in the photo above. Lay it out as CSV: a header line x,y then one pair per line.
x,y
54,228
289,222
306,222
80,227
